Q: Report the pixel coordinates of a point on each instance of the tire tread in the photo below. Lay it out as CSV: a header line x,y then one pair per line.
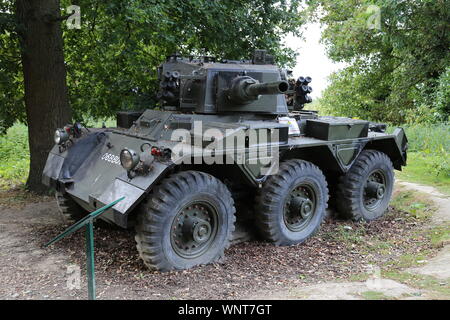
x,y
158,202
270,194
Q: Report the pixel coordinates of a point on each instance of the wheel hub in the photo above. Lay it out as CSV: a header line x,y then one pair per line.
x,y
201,232
194,229
374,190
300,207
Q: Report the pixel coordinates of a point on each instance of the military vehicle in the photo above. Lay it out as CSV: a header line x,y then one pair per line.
x,y
227,135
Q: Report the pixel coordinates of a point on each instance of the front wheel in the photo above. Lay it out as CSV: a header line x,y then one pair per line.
x,y
291,205
365,191
188,220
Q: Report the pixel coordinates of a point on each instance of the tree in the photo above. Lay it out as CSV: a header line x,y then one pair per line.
x,y
394,68
12,106
44,74
111,61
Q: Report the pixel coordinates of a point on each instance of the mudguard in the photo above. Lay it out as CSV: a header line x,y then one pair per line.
x,y
91,173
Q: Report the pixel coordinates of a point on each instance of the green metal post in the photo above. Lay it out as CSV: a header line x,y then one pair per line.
x,y
87,222
83,222
90,259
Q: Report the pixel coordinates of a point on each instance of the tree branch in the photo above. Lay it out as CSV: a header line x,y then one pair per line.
x,y
51,19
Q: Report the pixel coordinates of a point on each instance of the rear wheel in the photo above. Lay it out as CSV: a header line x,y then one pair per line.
x,y
365,191
291,204
188,220
69,210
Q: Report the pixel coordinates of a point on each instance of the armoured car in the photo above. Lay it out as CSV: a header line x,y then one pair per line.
x,y
229,148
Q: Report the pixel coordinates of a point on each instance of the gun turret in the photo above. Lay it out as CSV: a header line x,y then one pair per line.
x,y
245,89
206,86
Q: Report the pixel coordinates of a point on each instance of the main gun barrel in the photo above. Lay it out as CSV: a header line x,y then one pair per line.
x,y
246,89
276,87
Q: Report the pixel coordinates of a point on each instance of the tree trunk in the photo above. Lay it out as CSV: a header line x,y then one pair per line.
x,y
46,97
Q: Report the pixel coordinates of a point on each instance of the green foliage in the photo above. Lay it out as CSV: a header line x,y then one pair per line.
x,y
399,74
428,138
112,60
428,155
352,93
14,156
432,142
395,70
430,170
11,80
443,93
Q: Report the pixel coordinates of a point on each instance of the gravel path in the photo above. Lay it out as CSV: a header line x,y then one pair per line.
x,y
437,267
251,270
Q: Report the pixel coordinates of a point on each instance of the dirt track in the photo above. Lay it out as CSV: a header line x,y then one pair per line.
x,y
317,269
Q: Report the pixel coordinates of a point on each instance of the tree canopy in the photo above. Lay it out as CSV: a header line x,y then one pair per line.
x,y
111,60
397,70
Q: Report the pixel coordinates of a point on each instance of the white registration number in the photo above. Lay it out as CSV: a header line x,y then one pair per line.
x,y
108,157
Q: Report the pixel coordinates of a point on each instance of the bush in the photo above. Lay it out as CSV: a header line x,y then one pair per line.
x,y
423,114
443,95
352,94
433,142
14,156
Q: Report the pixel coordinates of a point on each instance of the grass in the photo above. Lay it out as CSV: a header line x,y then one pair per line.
x,y
440,235
436,289
374,295
415,207
347,234
409,260
109,123
428,139
414,204
14,157
428,155
422,169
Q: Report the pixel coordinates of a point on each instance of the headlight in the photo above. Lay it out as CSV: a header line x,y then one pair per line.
x,y
61,136
129,159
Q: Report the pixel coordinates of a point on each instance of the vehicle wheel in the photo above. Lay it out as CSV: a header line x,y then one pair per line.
x,y
69,210
291,204
187,220
365,190
332,182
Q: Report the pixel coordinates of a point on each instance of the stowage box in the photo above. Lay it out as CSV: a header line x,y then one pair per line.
x,y
125,119
336,128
